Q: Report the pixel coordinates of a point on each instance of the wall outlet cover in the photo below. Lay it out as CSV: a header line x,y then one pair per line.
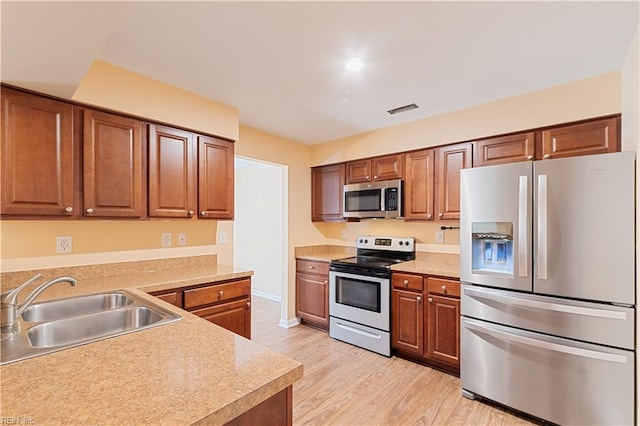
x,y
166,239
182,239
439,237
222,237
64,244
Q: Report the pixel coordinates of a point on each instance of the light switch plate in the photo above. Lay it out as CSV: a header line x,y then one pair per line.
x,y
222,237
439,237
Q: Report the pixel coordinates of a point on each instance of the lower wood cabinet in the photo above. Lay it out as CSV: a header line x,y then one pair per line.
x,y
225,303
312,292
425,322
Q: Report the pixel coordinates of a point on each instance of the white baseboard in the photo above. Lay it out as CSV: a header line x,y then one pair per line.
x,y
265,295
288,323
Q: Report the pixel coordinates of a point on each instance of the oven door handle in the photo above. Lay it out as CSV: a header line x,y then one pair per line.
x,y
358,331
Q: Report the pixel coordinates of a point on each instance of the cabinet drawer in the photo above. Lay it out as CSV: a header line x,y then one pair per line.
x,y
174,297
442,286
312,267
408,282
216,293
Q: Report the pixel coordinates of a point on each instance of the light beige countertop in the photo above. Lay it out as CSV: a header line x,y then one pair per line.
x,y
426,263
324,253
185,372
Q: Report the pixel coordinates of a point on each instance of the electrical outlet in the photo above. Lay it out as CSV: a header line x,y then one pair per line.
x,y
64,245
222,237
166,239
439,237
182,239
343,234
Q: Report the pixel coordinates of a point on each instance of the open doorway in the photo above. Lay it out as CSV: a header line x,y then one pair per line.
x,y
260,225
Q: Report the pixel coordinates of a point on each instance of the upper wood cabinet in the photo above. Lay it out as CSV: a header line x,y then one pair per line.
x,y
327,184
38,166
375,169
215,178
419,185
450,160
172,172
113,175
504,149
593,137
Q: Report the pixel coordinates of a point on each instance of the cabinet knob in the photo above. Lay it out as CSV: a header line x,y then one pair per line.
x,y
326,282
248,304
366,177
190,213
221,293
419,298
89,210
405,282
203,213
375,177
68,209
311,267
529,157
547,156
439,214
429,215
430,300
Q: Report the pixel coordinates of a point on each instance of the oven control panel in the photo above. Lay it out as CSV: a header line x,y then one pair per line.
x,y
386,243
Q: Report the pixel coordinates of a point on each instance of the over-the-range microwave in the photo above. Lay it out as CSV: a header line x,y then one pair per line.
x,y
373,200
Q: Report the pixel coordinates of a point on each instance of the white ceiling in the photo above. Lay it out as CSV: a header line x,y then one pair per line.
x,y
282,63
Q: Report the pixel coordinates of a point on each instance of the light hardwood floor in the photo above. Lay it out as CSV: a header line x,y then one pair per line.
x,y
346,385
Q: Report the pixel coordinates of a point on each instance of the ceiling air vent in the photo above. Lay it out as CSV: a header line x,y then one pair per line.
x,y
402,109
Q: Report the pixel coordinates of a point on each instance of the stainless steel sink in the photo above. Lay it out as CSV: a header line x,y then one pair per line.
x,y
72,306
74,321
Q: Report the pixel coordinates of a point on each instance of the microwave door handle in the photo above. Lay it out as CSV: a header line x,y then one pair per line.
x,y
383,200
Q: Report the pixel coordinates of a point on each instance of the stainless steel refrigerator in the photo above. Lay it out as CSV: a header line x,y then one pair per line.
x,y
547,257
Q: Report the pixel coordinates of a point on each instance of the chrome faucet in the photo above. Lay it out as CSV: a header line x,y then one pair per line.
x,y
11,310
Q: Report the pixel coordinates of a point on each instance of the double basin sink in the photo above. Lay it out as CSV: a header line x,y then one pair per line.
x,y
59,324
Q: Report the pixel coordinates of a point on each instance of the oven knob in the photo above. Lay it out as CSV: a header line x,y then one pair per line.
x,y
366,241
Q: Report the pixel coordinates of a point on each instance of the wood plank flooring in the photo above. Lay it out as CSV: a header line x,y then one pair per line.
x,y
346,385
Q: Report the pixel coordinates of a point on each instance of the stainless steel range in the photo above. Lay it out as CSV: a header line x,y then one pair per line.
x,y
360,292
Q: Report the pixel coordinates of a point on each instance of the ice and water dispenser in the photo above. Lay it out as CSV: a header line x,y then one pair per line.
x,y
492,248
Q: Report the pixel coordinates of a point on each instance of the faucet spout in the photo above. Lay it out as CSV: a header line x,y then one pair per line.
x,y
42,287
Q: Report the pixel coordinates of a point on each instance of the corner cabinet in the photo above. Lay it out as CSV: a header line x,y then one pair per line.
x,y
592,137
425,324
113,156
225,303
312,292
38,156
327,184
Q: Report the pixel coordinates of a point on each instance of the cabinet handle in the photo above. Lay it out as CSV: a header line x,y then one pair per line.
x,y
419,298
405,282
429,215
326,282
68,209
439,214
529,157
203,213
444,288
89,210
546,156
430,300
375,177
311,267
220,293
190,213
248,304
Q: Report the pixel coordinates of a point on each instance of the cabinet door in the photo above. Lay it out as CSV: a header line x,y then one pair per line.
x,y
443,341
37,155
419,185
358,171
387,167
407,333
215,178
594,137
172,172
327,185
113,164
451,159
234,316
312,299
504,149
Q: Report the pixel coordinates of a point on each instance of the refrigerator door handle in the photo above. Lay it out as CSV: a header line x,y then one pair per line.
x,y
547,306
542,227
523,214
539,342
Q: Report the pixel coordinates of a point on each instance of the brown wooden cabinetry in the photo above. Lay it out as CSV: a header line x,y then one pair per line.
x,y
375,169
38,167
114,157
419,185
450,160
215,178
592,137
225,303
504,149
312,292
428,332
327,184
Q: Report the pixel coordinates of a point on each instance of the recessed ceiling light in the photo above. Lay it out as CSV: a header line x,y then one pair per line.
x,y
354,64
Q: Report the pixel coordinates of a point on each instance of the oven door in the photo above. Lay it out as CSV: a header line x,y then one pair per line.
x,y
359,298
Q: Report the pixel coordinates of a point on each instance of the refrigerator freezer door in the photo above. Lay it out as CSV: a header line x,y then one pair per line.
x,y
559,380
590,322
584,227
501,196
